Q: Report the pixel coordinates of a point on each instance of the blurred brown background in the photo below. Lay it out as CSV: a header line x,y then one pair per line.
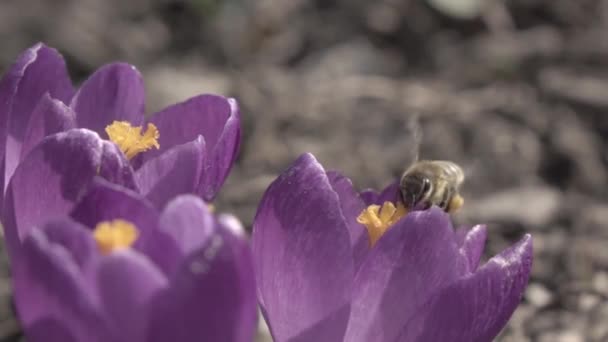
x,y
516,91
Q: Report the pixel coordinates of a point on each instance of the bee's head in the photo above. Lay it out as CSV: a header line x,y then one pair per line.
x,y
416,188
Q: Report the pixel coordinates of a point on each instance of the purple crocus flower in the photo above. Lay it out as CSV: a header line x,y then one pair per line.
x,y
320,277
185,148
118,270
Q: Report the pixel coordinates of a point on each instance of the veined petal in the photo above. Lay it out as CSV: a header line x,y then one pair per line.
x,y
211,296
37,71
114,92
217,119
389,194
472,245
76,239
49,181
105,201
48,330
476,307
411,262
351,206
302,252
177,171
49,284
127,280
50,116
369,196
115,167
189,222
52,178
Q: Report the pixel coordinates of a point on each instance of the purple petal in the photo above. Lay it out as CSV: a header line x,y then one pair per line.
x,y
115,167
175,172
217,119
392,193
127,281
50,116
247,314
332,328
48,330
48,284
411,262
302,253
389,194
472,245
114,92
189,222
76,239
369,196
37,71
351,205
477,307
49,181
105,202
211,296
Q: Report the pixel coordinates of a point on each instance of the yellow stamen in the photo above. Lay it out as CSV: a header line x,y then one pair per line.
x,y
456,203
130,139
114,235
378,219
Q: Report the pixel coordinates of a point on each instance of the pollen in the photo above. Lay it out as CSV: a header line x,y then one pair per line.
x,y
131,140
377,220
114,235
455,203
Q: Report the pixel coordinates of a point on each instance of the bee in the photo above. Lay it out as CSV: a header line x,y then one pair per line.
x,y
432,182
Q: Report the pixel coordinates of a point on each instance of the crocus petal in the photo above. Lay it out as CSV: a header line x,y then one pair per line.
x,y
49,117
473,244
369,196
37,71
389,194
411,262
48,330
49,181
105,201
76,239
209,296
54,175
302,253
49,284
188,221
127,280
475,308
329,329
247,314
115,167
217,119
174,172
114,92
392,193
351,206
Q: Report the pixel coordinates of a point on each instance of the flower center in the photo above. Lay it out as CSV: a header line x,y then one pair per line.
x,y
131,140
114,235
378,219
